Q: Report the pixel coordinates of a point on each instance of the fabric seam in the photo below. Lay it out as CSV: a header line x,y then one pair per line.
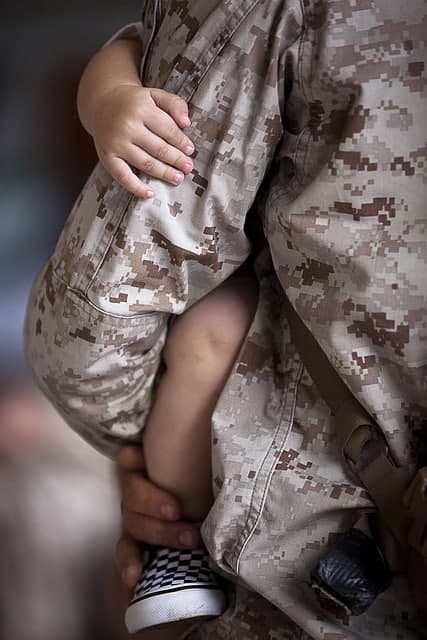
x,y
288,400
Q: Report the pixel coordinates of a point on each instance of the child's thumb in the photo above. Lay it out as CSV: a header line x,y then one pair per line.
x,y
175,106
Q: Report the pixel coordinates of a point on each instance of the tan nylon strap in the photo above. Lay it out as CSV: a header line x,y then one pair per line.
x,y
361,441
314,358
386,484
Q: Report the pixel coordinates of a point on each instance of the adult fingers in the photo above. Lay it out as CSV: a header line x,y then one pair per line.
x,y
173,105
178,535
128,560
140,495
131,458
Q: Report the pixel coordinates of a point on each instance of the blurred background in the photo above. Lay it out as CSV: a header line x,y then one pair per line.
x,y
58,501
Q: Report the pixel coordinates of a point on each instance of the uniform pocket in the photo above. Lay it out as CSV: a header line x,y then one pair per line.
x,y
136,273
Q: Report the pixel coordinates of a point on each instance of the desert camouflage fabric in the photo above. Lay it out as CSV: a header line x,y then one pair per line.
x,y
309,117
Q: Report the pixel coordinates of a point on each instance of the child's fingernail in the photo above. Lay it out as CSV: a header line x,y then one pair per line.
x,y
168,511
186,538
189,149
177,178
149,194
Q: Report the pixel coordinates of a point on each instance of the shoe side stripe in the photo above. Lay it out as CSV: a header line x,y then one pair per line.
x,y
186,587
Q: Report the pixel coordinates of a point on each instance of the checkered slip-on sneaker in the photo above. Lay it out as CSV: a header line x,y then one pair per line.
x,y
175,585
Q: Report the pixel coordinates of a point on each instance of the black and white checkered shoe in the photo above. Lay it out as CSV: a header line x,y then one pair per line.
x,y
175,585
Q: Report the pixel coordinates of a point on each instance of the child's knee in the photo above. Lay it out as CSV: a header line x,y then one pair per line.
x,y
212,331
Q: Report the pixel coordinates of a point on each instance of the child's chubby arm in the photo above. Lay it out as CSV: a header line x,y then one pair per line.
x,y
132,125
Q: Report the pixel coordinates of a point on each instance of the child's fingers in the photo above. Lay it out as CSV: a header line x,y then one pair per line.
x,y
123,174
141,160
173,105
163,125
166,153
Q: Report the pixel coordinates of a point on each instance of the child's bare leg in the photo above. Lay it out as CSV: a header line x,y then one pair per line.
x,y
200,352
201,349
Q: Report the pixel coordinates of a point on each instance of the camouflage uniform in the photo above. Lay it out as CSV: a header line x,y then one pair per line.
x,y
309,116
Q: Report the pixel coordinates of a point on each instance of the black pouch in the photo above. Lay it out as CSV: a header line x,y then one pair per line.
x,y
350,576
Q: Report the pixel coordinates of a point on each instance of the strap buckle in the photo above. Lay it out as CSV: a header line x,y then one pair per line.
x,y
364,445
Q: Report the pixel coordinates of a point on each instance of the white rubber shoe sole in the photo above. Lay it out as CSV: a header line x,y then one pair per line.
x,y
186,602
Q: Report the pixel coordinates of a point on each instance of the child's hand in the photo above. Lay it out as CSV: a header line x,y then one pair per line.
x,y
139,127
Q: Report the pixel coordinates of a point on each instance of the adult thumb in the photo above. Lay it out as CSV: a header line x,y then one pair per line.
x,y
129,560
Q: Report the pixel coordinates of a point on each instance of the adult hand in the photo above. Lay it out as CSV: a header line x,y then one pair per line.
x,y
149,515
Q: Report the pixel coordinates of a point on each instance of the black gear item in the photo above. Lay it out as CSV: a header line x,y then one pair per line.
x,y
351,574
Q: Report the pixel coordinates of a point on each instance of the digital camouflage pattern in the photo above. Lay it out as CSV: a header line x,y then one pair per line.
x,y
319,107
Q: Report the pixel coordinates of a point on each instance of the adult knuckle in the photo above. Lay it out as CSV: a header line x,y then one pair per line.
x,y
122,459
156,531
132,524
128,521
130,490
